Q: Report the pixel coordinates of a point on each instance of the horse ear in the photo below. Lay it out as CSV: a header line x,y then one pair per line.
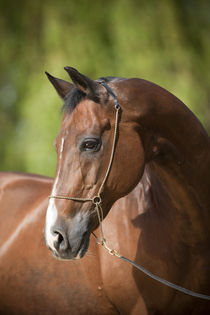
x,y
61,86
91,88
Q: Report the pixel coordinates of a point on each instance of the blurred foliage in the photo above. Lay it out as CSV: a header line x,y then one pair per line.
x,y
166,42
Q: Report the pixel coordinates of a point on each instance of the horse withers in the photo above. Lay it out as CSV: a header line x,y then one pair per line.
x,y
126,145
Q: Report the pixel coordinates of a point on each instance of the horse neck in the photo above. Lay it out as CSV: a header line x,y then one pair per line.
x,y
174,140
166,115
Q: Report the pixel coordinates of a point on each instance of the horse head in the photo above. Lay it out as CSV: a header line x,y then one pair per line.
x,y
84,147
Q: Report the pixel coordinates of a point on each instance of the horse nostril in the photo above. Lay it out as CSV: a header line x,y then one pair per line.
x,y
60,242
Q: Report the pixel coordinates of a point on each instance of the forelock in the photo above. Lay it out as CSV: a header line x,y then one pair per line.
x,y
72,99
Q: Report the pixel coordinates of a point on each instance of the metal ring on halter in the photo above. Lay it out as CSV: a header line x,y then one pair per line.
x,y
97,200
109,90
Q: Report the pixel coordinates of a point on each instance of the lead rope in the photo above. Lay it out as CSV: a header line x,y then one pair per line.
x,y
98,208
113,252
102,240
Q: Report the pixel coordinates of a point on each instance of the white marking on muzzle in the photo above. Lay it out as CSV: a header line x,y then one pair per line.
x,y
52,212
51,217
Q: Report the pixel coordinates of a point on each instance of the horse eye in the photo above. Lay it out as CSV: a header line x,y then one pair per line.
x,y
91,145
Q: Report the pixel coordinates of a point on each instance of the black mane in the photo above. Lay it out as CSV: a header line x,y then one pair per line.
x,y
75,96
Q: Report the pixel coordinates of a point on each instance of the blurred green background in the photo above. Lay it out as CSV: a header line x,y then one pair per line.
x,y
166,42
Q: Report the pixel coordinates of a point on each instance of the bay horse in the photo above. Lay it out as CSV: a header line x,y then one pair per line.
x,y
157,185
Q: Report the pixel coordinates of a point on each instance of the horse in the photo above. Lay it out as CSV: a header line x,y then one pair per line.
x,y
126,145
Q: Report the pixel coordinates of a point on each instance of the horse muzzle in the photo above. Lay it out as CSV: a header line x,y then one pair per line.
x,y
68,239
65,246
